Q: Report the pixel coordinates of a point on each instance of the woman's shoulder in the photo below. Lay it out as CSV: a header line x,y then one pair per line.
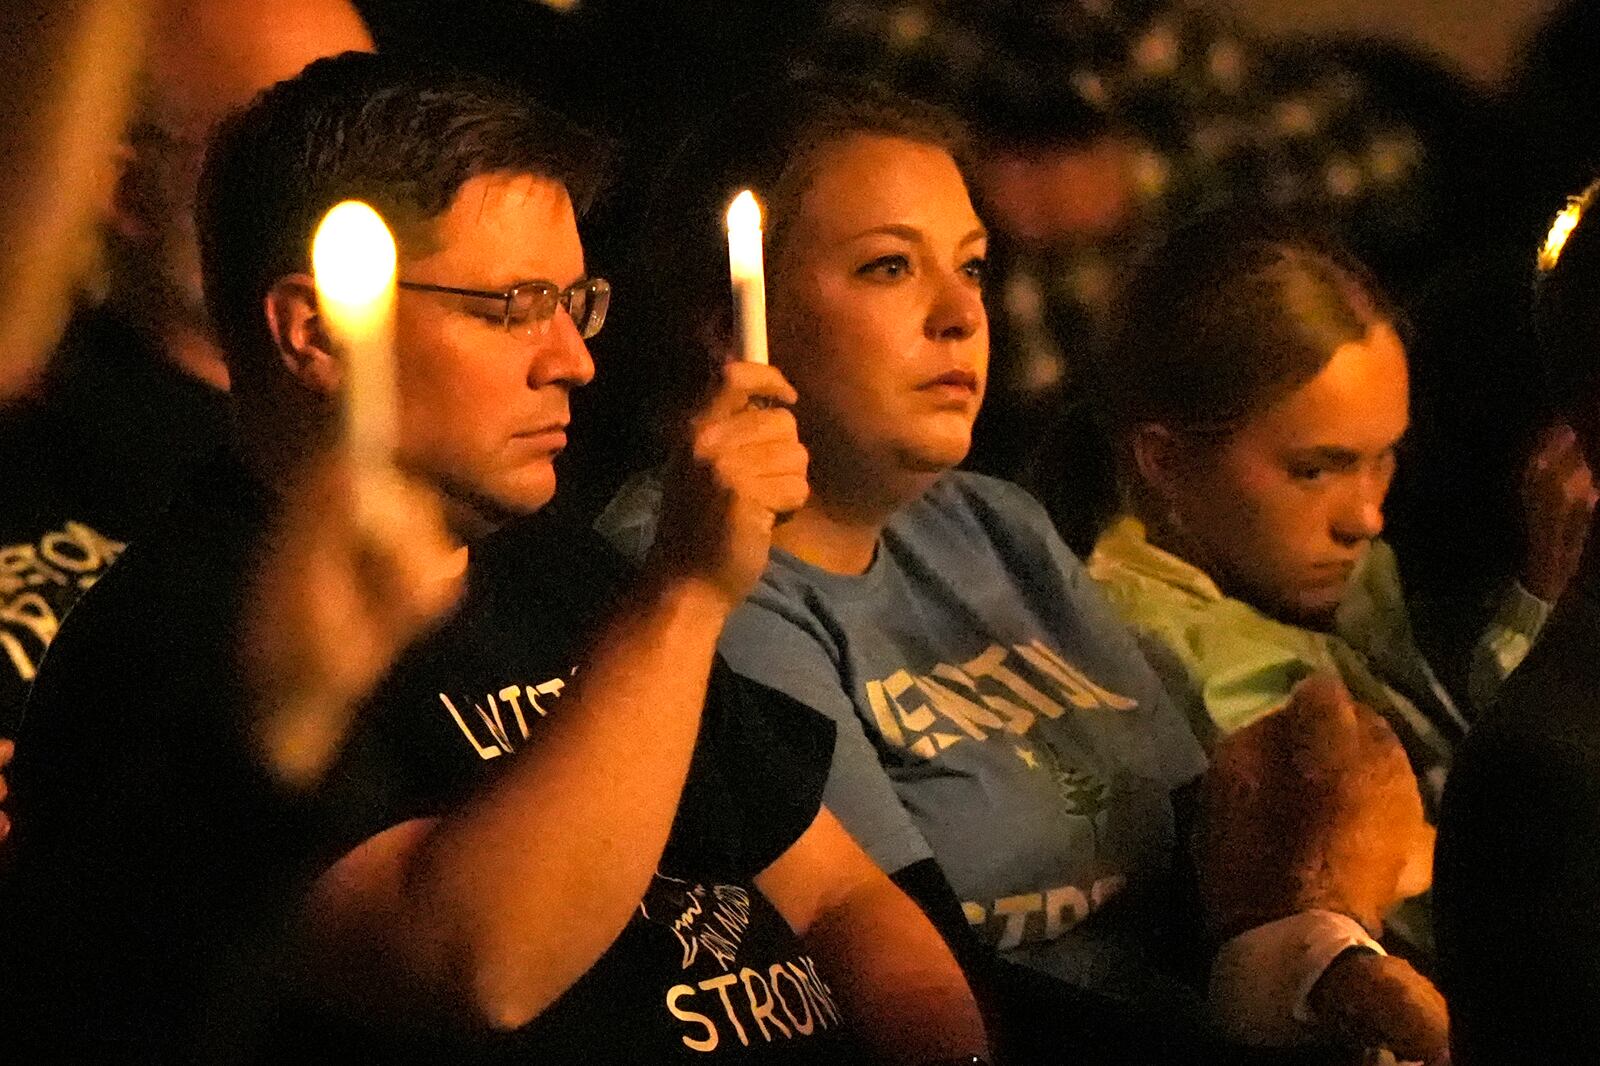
x,y
963,505
964,489
1149,588
1204,629
1218,639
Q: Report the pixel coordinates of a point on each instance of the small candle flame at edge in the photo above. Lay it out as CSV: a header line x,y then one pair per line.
x,y
744,212
1560,229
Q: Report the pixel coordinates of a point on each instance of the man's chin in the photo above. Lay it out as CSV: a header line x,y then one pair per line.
x,y
475,511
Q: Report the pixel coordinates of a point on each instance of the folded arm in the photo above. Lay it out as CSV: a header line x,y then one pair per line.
x,y
892,972
498,906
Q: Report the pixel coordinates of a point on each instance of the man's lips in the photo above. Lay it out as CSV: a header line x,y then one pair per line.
x,y
553,435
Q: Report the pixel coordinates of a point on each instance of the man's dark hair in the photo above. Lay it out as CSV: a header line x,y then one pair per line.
x,y
1566,306
401,135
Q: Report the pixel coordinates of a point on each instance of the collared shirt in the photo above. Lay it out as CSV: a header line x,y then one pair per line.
x,y
1235,664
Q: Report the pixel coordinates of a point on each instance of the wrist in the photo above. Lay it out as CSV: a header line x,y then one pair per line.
x,y
1262,981
686,596
1336,975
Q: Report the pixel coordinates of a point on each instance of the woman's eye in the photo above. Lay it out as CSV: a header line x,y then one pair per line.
x,y
885,266
976,268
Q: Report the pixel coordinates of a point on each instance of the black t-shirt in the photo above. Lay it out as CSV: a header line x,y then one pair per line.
x,y
1516,892
90,461
151,858
154,861
706,970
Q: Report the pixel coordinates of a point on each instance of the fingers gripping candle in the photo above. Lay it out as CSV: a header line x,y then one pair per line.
x,y
749,282
353,262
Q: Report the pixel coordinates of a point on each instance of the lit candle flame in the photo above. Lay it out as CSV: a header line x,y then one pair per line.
x,y
746,270
353,260
1560,229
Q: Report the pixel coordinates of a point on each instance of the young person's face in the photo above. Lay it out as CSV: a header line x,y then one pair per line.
x,y
876,310
483,411
1282,510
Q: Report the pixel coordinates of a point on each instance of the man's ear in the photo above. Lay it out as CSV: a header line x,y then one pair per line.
x,y
298,334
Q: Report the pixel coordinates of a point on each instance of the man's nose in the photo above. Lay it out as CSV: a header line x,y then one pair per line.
x,y
563,356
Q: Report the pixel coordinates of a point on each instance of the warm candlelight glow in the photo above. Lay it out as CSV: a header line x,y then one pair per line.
x,y
1560,229
353,256
749,282
353,260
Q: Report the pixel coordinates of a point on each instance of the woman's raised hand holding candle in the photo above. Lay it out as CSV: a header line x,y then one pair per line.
x,y
749,281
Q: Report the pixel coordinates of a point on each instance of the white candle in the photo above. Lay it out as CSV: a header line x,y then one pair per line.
x,y
353,263
749,282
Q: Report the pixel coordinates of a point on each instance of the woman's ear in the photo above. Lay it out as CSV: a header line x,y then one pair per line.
x,y
299,336
1155,457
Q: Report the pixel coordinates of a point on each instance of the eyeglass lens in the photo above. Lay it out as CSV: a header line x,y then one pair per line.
x,y
586,302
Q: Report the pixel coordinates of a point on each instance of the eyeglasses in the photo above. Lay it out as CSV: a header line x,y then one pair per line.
x,y
530,304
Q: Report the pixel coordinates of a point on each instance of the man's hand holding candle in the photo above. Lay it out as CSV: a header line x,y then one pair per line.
x,y
360,562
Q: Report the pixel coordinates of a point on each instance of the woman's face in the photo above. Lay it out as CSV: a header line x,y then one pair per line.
x,y
1281,511
877,315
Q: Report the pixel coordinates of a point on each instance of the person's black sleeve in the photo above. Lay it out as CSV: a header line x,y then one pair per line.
x,y
1517,901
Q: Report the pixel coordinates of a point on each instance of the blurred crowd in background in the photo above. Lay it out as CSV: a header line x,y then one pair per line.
x,y
1100,129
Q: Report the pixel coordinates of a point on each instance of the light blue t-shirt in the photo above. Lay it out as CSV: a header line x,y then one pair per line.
x,y
995,714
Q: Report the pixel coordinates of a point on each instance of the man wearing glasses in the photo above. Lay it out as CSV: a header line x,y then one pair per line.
x,y
556,829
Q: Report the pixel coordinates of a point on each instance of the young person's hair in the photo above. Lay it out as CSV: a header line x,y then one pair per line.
x,y
1566,307
401,135
1227,317
768,142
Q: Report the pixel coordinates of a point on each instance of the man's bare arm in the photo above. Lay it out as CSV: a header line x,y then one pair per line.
x,y
902,985
496,908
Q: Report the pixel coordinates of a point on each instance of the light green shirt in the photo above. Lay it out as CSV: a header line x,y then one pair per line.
x,y
1230,664
1233,664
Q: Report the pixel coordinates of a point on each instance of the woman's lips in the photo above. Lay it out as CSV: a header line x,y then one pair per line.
x,y
1333,572
954,385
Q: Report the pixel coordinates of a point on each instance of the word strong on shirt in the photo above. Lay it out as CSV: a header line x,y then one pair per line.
x,y
783,1001
998,690
748,997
